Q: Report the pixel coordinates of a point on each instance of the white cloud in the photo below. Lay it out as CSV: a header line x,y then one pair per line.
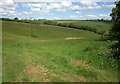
x,y
109,6
75,7
77,17
24,5
8,3
0,4
91,7
78,12
16,5
54,6
47,12
66,3
88,3
59,6
104,16
99,16
72,16
35,9
90,16
26,12
8,8
36,5
2,12
12,12
63,0
56,18
39,11
61,10
62,6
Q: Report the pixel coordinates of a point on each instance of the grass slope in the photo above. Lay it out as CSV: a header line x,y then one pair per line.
x,y
48,56
100,27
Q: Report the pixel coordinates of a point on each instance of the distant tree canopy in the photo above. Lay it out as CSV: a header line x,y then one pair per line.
x,y
115,31
15,18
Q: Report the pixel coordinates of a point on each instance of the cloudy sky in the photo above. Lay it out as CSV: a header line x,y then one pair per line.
x,y
56,9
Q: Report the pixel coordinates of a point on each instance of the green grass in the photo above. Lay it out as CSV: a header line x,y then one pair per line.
x,y
101,27
49,57
45,31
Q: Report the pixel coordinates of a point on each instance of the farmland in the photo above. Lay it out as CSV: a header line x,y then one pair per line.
x,y
52,53
97,26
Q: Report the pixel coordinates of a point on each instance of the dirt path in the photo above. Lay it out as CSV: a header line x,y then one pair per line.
x,y
73,38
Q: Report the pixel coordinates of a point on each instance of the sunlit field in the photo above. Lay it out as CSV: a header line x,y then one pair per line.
x,y
50,53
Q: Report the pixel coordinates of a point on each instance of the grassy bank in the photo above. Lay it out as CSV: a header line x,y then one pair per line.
x,y
37,53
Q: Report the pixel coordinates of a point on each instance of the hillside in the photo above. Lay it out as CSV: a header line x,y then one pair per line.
x,y
40,52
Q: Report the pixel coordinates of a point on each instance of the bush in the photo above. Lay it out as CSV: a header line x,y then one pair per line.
x,y
7,19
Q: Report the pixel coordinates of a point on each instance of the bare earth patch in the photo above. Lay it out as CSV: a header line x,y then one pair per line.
x,y
37,73
73,38
81,64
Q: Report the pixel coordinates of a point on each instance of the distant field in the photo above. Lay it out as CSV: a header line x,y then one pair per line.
x,y
39,53
66,21
100,27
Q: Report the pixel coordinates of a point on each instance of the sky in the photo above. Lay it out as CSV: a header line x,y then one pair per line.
x,y
57,9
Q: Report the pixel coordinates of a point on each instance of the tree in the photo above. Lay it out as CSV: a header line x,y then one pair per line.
x,y
15,18
115,31
102,19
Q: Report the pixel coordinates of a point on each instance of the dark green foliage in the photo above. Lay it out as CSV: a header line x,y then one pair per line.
x,y
15,18
7,19
115,50
85,73
87,49
102,20
115,31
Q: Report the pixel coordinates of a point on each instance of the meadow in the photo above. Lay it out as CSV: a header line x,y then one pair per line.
x,y
51,53
100,27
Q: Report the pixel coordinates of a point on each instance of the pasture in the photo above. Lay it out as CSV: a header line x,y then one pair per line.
x,y
48,53
96,26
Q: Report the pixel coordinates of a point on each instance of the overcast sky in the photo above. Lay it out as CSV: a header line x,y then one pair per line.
x,y
61,9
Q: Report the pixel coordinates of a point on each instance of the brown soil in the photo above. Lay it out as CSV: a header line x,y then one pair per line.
x,y
81,64
37,73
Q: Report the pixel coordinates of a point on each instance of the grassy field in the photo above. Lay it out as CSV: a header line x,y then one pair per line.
x,y
37,53
99,26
